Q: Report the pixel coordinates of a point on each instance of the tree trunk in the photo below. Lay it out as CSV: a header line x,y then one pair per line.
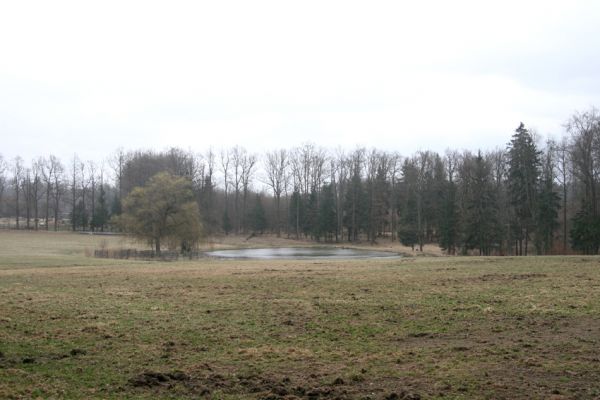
x,y
17,205
56,202
47,205
564,216
278,199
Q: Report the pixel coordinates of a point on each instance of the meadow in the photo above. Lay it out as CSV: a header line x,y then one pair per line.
x,y
73,326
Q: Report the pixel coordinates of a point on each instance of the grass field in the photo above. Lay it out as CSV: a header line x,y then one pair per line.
x,y
427,327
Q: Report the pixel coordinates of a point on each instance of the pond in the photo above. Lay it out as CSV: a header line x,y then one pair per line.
x,y
300,253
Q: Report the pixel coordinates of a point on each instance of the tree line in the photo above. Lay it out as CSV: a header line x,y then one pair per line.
x,y
529,197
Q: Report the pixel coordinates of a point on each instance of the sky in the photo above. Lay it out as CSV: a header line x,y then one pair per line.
x,y
90,77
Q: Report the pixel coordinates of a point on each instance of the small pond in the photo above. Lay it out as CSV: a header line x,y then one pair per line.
x,y
300,253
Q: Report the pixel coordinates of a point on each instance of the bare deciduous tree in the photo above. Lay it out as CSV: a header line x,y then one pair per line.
x,y
17,182
275,165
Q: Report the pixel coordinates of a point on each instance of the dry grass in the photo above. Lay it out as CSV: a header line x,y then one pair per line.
x,y
77,327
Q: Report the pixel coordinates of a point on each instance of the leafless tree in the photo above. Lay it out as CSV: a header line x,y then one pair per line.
x,y
563,167
28,196
275,165
3,168
74,186
117,163
18,170
356,165
84,181
47,172
338,169
238,155
395,163
226,170
57,178
92,182
36,189
247,169
584,129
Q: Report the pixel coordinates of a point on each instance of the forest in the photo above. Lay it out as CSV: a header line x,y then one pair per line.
x,y
529,196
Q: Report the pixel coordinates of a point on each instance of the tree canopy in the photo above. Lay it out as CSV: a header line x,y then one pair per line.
x,y
163,211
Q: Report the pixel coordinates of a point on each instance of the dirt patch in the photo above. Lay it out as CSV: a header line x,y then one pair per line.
x,y
152,378
293,386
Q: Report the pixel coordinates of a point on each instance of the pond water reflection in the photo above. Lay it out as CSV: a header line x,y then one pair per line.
x,y
300,253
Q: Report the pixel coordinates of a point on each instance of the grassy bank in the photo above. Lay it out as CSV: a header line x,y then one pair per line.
x,y
78,327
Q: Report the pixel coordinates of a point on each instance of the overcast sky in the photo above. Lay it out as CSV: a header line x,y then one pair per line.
x,y
88,77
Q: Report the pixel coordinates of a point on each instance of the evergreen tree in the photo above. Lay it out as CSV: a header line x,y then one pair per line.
x,y
548,206
585,232
449,219
327,213
100,217
378,201
79,216
481,219
311,220
258,219
115,207
410,231
353,204
407,228
523,177
206,201
296,214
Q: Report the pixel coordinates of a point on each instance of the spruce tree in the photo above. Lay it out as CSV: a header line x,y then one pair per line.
x,y
481,216
523,177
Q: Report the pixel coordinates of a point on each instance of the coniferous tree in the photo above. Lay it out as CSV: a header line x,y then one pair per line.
x,y
449,219
311,220
548,205
100,217
79,216
296,212
585,232
354,197
115,207
480,217
523,177
410,231
327,213
258,219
